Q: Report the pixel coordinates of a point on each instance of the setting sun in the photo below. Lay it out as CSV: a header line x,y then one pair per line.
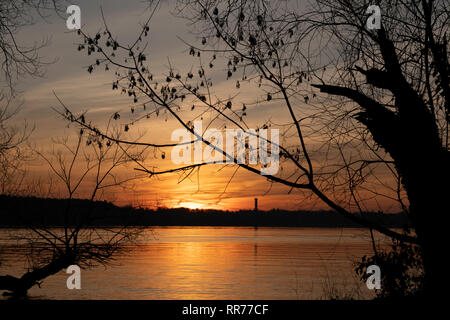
x,y
191,205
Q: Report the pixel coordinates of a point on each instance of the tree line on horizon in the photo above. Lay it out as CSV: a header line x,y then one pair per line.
x,y
31,211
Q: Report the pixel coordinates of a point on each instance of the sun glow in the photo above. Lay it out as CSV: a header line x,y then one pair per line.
x,y
190,205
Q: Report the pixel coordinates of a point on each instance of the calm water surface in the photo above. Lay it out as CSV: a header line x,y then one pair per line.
x,y
216,263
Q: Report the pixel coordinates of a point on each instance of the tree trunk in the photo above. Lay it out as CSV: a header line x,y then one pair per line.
x,y
20,286
427,193
412,140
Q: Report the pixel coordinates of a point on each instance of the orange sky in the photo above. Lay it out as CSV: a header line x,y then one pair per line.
x,y
82,91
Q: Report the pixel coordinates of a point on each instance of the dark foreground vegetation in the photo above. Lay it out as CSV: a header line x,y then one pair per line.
x,y
30,211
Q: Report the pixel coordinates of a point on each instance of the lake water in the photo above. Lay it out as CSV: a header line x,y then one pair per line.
x,y
216,263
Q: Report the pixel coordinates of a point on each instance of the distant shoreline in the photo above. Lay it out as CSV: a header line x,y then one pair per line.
x,y
19,212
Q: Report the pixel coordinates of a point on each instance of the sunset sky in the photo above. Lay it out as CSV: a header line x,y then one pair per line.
x,y
81,91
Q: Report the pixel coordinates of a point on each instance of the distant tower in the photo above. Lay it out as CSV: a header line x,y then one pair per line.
x,y
256,204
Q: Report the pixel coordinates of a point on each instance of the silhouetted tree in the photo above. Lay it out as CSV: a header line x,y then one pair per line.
x,y
384,108
17,61
85,168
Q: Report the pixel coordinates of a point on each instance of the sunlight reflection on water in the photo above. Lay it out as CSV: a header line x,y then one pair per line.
x,y
216,263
